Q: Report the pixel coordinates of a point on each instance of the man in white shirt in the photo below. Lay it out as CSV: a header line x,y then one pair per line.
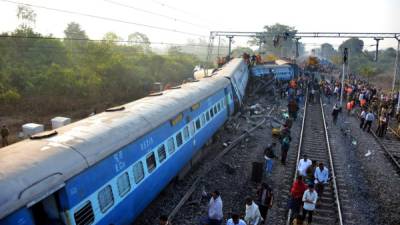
x,y
215,214
321,175
310,197
303,165
253,215
362,118
235,220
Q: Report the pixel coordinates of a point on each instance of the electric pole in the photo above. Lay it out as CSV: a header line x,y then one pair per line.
x,y
345,55
377,46
396,69
229,47
297,46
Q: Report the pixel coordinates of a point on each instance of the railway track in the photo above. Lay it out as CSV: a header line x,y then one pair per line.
x,y
314,142
391,145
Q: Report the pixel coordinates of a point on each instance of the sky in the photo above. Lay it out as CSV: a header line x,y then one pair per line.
x,y
200,17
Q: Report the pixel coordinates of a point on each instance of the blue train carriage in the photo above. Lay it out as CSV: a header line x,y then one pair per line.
x,y
238,73
283,72
107,168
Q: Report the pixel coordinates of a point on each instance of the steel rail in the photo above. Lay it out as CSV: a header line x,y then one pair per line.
x,y
335,188
337,200
391,156
299,150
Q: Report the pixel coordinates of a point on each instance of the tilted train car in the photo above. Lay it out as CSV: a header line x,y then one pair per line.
x,y
278,72
107,168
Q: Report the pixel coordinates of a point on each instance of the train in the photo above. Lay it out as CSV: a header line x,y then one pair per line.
x,y
283,72
107,168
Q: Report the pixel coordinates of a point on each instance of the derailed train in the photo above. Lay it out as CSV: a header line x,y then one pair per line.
x,y
107,168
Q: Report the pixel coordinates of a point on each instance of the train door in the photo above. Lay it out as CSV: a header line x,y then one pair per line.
x,y
47,211
227,101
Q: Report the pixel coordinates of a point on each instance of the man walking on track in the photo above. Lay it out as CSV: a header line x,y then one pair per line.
x,y
310,197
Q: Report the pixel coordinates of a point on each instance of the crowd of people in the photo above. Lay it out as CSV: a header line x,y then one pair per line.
x,y
373,104
309,184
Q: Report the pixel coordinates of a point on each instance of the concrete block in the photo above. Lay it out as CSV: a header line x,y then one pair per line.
x,y
32,128
59,121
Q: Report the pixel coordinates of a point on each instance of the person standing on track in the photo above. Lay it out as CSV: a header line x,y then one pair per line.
x,y
265,199
285,145
253,215
321,175
304,163
369,118
296,192
293,108
215,214
4,135
335,113
362,118
382,125
269,154
310,198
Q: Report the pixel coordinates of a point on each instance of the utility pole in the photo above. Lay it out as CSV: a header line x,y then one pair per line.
x,y
344,70
219,44
230,46
396,68
297,46
377,46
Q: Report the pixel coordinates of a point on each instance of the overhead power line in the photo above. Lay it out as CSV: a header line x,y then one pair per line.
x,y
156,14
173,8
58,50
103,40
105,18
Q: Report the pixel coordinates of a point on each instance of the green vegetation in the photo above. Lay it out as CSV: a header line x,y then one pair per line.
x,y
279,45
40,73
360,60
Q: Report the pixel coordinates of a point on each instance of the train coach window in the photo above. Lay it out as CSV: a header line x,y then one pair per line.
x,y
203,119
215,110
198,124
208,116
123,184
171,145
192,130
138,172
151,162
106,198
186,133
179,139
162,155
85,215
211,113
219,106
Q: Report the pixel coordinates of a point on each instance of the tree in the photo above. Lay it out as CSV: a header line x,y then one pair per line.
x,y
27,17
354,45
327,50
277,40
74,31
111,37
367,71
77,36
139,39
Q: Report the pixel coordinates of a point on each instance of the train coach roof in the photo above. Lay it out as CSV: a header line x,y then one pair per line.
x,y
32,169
228,69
